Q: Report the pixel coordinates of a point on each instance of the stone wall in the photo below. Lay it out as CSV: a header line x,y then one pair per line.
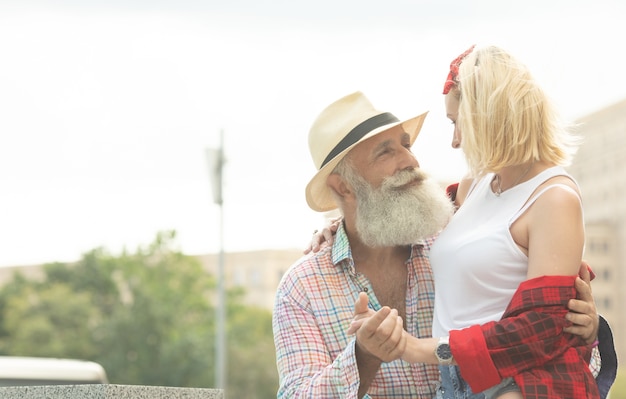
x,y
107,391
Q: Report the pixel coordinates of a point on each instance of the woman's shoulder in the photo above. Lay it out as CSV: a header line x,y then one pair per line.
x,y
556,195
557,178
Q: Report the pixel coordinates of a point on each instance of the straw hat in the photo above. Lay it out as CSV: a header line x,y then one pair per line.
x,y
342,125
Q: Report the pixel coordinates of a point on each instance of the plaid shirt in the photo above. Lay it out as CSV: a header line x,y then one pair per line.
x,y
528,344
313,309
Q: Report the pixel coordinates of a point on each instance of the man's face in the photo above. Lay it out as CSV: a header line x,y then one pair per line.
x,y
383,155
398,204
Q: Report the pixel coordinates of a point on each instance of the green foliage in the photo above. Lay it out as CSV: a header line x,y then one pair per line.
x,y
246,326
45,323
147,317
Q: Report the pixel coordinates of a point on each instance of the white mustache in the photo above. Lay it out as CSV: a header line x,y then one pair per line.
x,y
404,178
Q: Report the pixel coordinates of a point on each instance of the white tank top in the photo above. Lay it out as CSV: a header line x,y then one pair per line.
x,y
476,264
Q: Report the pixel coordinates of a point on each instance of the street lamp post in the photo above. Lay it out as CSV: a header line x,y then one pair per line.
x,y
216,167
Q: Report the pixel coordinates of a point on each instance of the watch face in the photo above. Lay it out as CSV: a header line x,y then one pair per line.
x,y
443,352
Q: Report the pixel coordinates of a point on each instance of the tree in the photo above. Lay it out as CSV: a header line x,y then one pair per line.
x,y
145,316
50,321
251,353
162,329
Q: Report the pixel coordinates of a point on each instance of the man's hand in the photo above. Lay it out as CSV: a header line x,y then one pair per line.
x,y
367,362
361,312
378,334
583,313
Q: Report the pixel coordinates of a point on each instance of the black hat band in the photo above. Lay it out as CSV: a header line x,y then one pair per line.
x,y
359,131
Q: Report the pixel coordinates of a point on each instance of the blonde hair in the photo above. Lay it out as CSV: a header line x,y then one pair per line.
x,y
505,117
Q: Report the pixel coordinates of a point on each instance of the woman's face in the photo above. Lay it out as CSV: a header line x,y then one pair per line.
x,y
452,112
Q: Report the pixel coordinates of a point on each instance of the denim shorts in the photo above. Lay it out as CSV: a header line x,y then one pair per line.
x,y
453,386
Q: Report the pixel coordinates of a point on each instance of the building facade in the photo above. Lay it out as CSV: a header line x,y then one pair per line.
x,y
600,169
258,272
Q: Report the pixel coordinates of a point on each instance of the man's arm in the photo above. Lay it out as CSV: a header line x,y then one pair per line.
x,y
305,366
367,363
381,338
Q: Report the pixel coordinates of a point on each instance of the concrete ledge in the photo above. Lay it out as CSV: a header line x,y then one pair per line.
x,y
107,391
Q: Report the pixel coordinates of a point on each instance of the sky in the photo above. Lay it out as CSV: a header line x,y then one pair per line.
x,y
107,108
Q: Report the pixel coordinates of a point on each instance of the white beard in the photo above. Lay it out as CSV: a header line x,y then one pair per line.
x,y
393,215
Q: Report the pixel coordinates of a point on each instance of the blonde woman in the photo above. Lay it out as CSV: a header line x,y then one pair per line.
x,y
506,264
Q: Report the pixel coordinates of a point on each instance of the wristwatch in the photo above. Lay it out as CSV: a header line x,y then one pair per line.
x,y
443,352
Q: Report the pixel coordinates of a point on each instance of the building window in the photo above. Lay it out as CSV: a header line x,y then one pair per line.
x,y
239,277
255,278
601,247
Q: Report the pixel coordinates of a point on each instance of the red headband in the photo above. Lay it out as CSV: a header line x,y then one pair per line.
x,y
454,70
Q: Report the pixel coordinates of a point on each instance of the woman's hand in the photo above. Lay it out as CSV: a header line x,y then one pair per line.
x,y
323,237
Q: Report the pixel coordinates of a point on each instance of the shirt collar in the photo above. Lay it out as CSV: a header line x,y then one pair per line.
x,y
341,249
342,254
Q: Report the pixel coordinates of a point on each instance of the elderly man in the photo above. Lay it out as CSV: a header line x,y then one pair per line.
x,y
391,210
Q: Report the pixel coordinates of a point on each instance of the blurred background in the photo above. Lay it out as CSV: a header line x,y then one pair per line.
x,y
107,109
108,106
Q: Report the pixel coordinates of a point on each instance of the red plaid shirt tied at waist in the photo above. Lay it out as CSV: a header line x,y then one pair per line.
x,y
529,344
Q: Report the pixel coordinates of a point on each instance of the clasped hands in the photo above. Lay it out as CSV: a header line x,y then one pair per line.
x,y
380,334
